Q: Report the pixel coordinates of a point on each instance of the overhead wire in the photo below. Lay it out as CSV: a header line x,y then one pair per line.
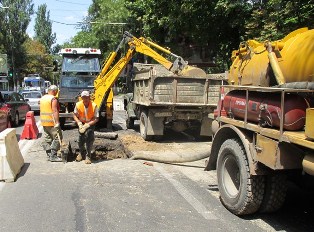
x,y
75,3
70,24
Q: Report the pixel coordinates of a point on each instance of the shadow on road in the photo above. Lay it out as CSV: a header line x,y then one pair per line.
x,y
23,170
296,214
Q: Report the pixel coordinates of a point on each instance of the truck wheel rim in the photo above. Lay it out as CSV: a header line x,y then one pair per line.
x,y
231,176
16,121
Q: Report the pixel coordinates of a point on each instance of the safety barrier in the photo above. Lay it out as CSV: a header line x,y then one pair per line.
x,y
11,159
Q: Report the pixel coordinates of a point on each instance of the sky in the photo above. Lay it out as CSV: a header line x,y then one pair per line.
x,y
62,12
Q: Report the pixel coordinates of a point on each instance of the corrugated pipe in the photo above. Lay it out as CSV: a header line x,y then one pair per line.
x,y
173,158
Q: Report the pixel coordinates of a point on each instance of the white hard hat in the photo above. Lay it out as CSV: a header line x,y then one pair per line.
x,y
85,94
53,87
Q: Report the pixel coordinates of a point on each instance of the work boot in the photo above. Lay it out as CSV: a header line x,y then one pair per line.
x,y
54,157
88,160
48,152
79,157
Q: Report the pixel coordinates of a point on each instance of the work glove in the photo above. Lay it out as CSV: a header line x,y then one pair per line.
x,y
84,128
57,125
80,125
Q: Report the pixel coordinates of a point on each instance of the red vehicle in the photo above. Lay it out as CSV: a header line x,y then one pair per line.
x,y
16,106
5,121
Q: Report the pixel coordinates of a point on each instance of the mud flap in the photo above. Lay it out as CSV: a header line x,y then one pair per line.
x,y
206,127
155,124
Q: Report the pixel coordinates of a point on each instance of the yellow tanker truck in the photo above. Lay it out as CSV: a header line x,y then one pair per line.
x,y
263,127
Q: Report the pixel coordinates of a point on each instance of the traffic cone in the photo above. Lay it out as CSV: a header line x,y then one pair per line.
x,y
30,130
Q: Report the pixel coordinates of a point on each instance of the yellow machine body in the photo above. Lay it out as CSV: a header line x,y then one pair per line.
x,y
294,54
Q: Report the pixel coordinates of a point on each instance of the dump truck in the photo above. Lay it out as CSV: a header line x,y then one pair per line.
x,y
263,127
163,100
173,65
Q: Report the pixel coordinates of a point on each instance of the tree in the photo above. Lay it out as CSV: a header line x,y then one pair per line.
x,y
38,60
216,25
56,49
219,25
273,19
43,28
84,39
13,25
104,25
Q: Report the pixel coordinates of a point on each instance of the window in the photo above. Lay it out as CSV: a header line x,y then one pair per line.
x,y
80,64
31,95
77,82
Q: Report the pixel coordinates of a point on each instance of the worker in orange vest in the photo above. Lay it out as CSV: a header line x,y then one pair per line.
x,y
86,115
49,117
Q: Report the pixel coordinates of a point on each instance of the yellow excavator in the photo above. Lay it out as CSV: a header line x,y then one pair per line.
x,y
103,95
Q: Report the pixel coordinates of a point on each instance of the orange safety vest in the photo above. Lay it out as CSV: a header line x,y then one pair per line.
x,y
90,111
46,113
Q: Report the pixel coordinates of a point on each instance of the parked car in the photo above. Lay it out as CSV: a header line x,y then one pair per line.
x,y
17,105
33,98
4,115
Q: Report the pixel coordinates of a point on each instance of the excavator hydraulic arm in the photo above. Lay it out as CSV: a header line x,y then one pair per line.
x,y
106,79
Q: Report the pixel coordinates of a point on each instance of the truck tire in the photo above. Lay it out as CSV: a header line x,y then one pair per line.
x,y
275,193
16,120
240,192
62,123
143,126
129,123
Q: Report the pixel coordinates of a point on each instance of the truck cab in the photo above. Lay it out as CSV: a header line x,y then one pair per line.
x,y
79,68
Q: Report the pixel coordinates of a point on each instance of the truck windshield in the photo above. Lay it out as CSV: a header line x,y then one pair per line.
x,y
77,82
80,63
34,83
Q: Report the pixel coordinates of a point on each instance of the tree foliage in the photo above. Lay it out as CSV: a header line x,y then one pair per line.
x,y
43,28
37,57
217,26
103,27
13,25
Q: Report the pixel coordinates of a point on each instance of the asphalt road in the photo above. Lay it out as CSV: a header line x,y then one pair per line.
x,y
127,195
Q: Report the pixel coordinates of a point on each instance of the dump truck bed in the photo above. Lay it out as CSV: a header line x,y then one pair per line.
x,y
156,86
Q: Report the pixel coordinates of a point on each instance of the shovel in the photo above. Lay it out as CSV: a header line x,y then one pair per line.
x,y
64,147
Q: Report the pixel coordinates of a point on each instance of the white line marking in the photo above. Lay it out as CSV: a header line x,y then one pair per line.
x,y
2,184
196,204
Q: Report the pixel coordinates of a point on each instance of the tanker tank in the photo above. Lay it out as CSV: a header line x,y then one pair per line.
x,y
288,62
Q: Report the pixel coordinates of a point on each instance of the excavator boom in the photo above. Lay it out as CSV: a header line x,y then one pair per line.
x,y
106,79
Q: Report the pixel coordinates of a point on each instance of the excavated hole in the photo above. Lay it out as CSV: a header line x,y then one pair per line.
x,y
103,149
